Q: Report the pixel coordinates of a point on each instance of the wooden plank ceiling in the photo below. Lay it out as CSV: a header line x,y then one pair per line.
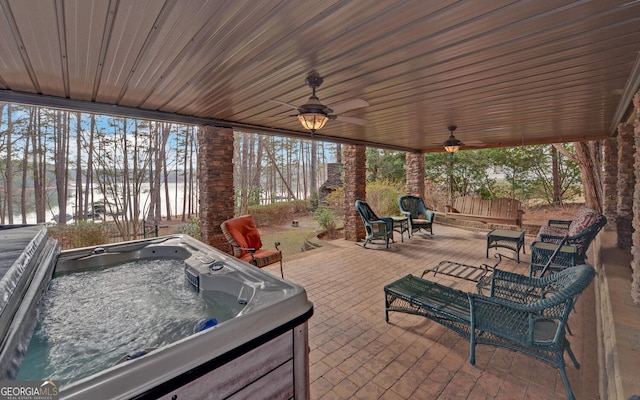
x,y
505,72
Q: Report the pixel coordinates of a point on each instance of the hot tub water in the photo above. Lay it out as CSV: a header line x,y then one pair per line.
x,y
91,319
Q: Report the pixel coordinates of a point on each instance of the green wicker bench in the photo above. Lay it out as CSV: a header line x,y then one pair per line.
x,y
520,313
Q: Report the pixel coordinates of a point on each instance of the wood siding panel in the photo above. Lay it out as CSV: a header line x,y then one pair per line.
x,y
243,372
507,72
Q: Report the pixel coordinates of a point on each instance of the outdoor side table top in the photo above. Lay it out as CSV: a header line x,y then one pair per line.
x,y
512,240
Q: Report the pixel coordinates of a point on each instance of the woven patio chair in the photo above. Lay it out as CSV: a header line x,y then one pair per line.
x,y
244,238
576,235
530,315
420,217
376,227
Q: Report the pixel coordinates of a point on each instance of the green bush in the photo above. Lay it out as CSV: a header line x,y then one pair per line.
x,y
327,220
382,197
313,201
335,201
192,228
82,234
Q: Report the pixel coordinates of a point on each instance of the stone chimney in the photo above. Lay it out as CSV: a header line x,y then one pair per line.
x,y
334,180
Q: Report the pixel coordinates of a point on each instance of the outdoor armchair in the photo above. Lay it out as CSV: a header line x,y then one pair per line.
x,y
244,238
530,315
376,227
576,235
420,217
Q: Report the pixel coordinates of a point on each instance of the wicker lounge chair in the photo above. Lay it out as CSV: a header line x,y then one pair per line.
x,y
244,238
420,217
376,227
521,313
576,235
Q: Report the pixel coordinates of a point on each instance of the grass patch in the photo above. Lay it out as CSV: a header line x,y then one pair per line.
x,y
291,241
291,238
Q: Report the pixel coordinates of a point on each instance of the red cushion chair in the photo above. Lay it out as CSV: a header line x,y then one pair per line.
x,y
244,238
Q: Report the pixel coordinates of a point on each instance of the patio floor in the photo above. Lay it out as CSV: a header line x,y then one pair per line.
x,y
356,355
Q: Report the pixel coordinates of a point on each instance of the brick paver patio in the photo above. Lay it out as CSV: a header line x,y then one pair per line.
x,y
356,355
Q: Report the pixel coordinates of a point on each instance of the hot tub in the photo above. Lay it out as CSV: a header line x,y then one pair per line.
x,y
258,348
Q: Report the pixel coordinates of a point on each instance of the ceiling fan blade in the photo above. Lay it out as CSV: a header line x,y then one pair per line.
x,y
475,143
285,104
349,105
352,120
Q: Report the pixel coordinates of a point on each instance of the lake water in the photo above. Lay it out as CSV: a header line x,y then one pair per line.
x,y
175,199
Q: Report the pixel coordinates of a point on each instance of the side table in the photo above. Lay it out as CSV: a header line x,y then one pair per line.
x,y
512,240
401,225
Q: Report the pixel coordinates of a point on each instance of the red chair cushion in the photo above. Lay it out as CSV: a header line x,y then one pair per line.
x,y
245,233
262,258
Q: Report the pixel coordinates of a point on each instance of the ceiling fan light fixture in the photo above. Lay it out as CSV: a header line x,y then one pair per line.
x,y
313,121
452,144
313,115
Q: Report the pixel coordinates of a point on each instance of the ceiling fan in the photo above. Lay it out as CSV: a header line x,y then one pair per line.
x,y
453,144
313,115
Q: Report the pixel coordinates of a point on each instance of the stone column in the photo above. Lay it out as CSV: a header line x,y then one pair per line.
x,y
626,183
415,174
355,181
610,182
635,249
215,173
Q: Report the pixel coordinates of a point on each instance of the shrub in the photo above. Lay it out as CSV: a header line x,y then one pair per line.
x,y
192,228
335,201
327,220
383,197
81,234
313,201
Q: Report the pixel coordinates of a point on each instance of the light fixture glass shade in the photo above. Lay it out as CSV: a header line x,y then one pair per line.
x,y
313,121
451,149
452,144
